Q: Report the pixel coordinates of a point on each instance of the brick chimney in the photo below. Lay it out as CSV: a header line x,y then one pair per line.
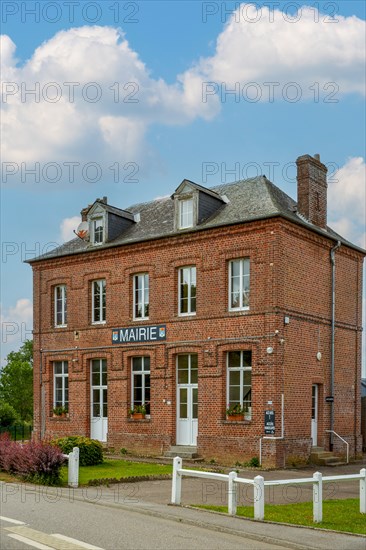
x,y
312,189
84,213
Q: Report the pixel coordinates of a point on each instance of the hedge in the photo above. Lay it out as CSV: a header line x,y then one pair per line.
x,y
91,450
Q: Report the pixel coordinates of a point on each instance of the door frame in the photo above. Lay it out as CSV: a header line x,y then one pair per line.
x,y
192,429
314,414
100,432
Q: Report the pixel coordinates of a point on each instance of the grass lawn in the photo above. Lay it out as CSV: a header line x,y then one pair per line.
x,y
117,469
340,515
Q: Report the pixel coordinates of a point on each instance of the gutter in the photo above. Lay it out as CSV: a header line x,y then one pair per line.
x,y
332,344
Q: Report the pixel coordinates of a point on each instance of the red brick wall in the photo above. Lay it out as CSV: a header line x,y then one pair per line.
x,y
290,275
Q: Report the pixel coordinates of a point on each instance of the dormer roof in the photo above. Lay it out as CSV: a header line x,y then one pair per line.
x,y
188,186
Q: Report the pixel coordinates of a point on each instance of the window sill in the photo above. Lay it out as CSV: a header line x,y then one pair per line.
x,y
138,319
245,421
60,326
239,311
98,323
138,420
187,314
61,418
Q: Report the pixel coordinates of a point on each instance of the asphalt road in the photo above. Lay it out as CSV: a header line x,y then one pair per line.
x,y
100,526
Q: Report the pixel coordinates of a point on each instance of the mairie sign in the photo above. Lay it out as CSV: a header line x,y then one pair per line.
x,y
138,334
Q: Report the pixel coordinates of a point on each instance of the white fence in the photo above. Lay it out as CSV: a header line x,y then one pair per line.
x,y
259,485
73,468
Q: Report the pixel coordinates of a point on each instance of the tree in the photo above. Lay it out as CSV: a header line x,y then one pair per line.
x,y
16,381
8,415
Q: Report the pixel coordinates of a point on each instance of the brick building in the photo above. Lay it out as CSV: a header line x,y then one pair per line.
x,y
189,303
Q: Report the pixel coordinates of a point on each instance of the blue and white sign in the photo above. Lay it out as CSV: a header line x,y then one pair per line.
x,y
129,335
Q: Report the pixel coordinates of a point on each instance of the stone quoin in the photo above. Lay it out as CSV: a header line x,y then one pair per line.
x,y
191,305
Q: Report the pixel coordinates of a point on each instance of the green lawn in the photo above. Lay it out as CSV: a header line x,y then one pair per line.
x,y
117,469
340,515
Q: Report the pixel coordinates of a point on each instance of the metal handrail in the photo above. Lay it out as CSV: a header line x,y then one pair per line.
x,y
344,441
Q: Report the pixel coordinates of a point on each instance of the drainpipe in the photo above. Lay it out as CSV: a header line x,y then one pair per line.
x,y
332,259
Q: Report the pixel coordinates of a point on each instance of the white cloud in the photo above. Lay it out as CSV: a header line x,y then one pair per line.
x,y
273,49
67,124
67,227
94,100
347,200
16,325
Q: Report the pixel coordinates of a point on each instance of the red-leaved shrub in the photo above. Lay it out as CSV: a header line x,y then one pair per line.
x,y
34,461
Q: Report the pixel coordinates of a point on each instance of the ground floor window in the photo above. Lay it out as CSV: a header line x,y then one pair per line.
x,y
140,382
60,384
239,380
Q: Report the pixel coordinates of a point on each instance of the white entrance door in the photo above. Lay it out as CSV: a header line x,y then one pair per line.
x,y
187,400
99,400
314,415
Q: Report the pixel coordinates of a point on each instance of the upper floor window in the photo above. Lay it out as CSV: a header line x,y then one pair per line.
x,y
239,380
60,384
60,306
187,290
99,301
98,231
140,382
185,213
141,296
239,284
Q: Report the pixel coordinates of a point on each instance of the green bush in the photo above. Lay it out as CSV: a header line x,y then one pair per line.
x,y
91,450
8,415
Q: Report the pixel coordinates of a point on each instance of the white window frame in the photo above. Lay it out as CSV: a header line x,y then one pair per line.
x,y
143,373
63,302
137,278
241,369
180,275
94,222
243,262
186,216
64,376
102,289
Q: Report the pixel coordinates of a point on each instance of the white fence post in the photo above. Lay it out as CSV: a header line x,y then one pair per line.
x,y
73,470
177,481
317,497
232,499
258,497
363,491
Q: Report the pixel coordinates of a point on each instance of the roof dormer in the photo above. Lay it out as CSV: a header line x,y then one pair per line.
x,y
106,222
194,204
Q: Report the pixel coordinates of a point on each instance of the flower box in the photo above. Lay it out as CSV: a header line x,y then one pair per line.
x,y
235,417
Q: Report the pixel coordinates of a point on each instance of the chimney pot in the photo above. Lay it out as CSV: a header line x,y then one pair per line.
x,y
317,156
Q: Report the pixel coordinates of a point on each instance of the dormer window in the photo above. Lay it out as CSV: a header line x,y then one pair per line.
x,y
186,213
194,205
98,231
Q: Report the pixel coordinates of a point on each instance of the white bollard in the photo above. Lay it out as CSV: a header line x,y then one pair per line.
x,y
73,471
258,497
232,499
177,481
363,491
317,497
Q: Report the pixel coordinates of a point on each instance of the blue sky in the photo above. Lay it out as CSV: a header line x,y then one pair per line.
x,y
136,95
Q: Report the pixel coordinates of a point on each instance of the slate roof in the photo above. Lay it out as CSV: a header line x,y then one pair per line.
x,y
248,200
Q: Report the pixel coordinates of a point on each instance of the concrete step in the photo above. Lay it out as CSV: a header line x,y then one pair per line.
x,y
173,454
184,451
321,455
334,464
